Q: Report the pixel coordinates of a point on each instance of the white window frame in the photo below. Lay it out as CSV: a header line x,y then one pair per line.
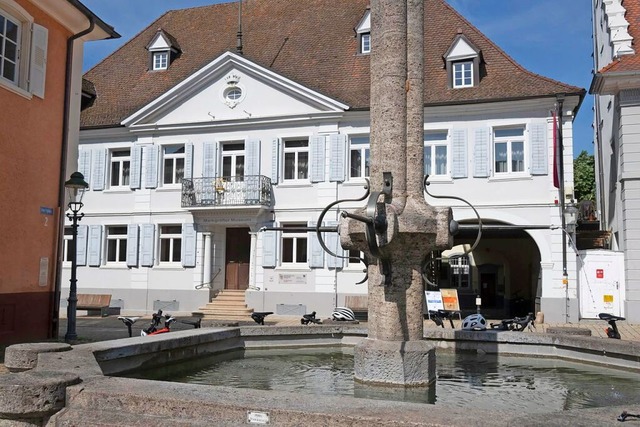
x,y
173,159
172,240
298,173
122,176
119,248
459,267
462,74
509,141
365,43
360,146
435,141
67,245
237,159
160,60
355,263
20,83
299,256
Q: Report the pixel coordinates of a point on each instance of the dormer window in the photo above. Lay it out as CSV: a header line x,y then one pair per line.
x,y
363,30
163,49
463,74
160,60
462,62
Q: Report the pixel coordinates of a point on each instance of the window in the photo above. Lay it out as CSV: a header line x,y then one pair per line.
x,y
23,51
69,246
296,159
365,43
233,93
120,167
508,150
117,244
160,60
170,243
435,153
460,271
10,29
463,74
355,258
173,164
360,157
294,245
233,160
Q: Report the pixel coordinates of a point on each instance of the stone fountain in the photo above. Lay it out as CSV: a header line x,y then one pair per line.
x,y
397,229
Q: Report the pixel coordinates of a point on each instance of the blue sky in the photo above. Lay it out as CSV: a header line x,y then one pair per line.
x,y
548,37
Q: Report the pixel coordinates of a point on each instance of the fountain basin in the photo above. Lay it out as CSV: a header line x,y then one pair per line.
x,y
119,401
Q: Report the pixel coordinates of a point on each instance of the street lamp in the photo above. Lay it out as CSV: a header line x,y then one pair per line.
x,y
75,186
570,217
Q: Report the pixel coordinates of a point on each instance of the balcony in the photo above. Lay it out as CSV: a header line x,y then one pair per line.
x,y
248,190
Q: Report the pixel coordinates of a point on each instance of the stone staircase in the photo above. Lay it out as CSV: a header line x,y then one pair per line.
x,y
228,304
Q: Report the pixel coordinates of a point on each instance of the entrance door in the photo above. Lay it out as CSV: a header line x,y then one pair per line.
x,y
238,244
488,289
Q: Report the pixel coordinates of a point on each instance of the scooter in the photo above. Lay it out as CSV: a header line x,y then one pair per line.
x,y
612,330
517,324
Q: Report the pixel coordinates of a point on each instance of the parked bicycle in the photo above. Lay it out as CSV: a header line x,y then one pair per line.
x,y
156,319
439,316
517,324
310,318
612,330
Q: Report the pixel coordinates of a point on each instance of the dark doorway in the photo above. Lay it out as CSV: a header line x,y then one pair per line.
x,y
238,244
488,285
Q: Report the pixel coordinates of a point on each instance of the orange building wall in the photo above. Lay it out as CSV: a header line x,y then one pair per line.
x,y
31,142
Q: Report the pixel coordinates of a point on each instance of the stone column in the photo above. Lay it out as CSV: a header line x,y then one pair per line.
x,y
395,352
252,258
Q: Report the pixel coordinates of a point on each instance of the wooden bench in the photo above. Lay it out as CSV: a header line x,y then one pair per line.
x,y
93,303
360,306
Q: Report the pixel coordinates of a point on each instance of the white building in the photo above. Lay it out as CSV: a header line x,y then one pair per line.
x,y
616,86
192,146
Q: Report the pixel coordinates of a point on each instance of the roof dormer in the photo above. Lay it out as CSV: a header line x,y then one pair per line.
x,y
462,62
163,49
363,31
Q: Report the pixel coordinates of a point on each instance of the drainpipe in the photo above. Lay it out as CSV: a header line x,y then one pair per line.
x,y
55,303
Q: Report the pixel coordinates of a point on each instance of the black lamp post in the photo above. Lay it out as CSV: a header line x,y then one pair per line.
x,y
75,189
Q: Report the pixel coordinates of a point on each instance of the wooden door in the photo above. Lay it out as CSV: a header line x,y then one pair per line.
x,y
237,257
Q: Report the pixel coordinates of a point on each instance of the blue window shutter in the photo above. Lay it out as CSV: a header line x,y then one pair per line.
x,y
210,159
81,245
84,164
147,236
136,167
316,255
338,148
333,243
275,160
539,156
151,154
481,153
252,150
95,245
188,160
269,248
38,66
189,245
132,245
317,158
459,153
99,165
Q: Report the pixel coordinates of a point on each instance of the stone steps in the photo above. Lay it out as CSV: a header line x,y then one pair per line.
x,y
228,304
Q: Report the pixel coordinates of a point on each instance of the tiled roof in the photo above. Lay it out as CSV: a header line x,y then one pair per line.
x,y
628,62
312,42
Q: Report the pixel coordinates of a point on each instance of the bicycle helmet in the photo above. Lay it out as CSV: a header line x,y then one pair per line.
x,y
474,322
343,313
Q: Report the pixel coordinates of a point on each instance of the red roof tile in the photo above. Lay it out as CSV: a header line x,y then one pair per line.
x,y
312,42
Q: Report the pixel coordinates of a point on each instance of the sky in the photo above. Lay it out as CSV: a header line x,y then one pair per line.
x,y
548,37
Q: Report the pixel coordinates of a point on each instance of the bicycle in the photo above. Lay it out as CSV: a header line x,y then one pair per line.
x,y
439,316
310,318
154,327
612,330
517,324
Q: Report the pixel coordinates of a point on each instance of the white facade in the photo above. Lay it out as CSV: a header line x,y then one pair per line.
x,y
266,123
616,86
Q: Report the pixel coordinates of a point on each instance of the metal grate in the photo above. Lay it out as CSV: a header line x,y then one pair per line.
x,y
291,309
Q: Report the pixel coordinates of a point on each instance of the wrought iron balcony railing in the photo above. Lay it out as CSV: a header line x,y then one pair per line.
x,y
248,190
